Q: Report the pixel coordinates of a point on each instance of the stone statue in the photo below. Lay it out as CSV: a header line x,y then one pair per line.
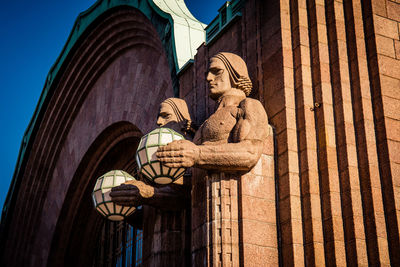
x,y
173,114
231,139
227,145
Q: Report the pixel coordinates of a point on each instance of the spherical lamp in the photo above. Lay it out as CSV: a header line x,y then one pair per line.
x,y
146,158
101,195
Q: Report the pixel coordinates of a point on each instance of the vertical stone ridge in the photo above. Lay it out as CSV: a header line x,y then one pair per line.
x,y
370,24
283,115
366,153
309,186
345,138
326,137
259,54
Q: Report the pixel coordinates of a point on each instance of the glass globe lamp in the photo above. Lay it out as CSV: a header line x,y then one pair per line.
x,y
147,161
101,195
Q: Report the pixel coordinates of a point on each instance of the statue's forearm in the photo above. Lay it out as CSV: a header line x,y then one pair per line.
x,y
172,197
229,157
136,193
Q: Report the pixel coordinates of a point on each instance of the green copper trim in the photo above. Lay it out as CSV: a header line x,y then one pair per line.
x,y
227,14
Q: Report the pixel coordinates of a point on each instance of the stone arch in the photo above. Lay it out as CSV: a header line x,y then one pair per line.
x,y
118,71
78,225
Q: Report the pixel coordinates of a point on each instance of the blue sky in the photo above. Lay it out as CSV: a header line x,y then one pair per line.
x,y
32,34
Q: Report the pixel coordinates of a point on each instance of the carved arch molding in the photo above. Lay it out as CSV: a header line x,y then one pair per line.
x,y
107,96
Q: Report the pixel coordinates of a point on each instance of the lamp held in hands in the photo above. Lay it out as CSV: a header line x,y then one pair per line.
x,y
146,158
101,195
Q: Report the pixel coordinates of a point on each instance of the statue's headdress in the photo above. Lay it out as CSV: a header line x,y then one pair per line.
x,y
237,70
181,111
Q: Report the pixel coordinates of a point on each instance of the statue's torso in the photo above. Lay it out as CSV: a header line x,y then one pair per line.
x,y
218,127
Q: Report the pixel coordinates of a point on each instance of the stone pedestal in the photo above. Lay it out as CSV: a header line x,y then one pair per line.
x,y
237,226
223,219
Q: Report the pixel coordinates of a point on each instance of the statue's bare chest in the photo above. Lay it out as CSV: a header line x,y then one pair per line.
x,y
219,125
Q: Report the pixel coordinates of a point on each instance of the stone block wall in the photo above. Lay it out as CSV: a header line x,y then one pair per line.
x,y
327,73
326,191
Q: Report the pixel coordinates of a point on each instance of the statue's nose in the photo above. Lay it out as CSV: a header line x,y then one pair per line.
x,y
209,77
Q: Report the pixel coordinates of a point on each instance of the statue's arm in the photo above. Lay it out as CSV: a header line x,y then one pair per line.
x,y
137,193
248,137
241,154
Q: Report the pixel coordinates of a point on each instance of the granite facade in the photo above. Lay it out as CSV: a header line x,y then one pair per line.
x,y
326,190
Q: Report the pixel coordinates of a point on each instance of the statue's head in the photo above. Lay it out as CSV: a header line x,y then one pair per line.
x,y
227,71
174,114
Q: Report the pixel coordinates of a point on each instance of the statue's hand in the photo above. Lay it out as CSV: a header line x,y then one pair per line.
x,y
132,193
180,153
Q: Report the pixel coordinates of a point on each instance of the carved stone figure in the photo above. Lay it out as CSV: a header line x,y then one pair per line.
x,y
232,138
173,114
227,145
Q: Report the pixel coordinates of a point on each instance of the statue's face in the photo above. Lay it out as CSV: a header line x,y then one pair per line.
x,y
218,78
166,115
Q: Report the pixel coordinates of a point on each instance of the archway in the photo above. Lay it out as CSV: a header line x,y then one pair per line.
x,y
78,227
118,72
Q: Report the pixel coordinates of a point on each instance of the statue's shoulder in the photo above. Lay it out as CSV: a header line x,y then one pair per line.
x,y
253,108
251,101
250,104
